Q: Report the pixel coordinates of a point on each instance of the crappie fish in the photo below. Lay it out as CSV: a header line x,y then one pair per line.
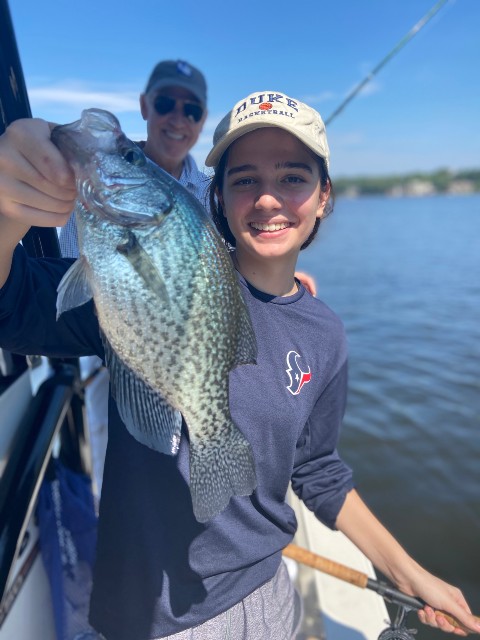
x,y
171,313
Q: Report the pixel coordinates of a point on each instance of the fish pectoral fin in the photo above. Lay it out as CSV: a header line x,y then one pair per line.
x,y
146,414
74,288
143,265
219,470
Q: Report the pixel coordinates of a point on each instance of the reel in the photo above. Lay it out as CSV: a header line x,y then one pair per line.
x,y
398,630
397,634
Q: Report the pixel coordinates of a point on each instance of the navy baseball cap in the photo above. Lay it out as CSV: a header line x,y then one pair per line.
x,y
178,73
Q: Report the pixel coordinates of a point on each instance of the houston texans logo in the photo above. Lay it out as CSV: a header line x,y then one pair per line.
x,y
297,377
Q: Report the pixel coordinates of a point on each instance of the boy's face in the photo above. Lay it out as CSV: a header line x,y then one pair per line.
x,y
271,194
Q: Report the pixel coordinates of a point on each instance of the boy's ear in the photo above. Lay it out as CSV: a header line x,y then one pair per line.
x,y
219,197
322,201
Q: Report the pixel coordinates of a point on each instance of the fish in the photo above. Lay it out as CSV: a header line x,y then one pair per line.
x,y
171,314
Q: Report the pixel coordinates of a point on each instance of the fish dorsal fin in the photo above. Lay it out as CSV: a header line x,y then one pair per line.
x,y
247,342
146,414
74,288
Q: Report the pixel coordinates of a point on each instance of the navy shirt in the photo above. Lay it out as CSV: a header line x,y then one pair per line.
x,y
158,570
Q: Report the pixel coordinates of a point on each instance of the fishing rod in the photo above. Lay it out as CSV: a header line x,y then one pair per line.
x,y
413,32
397,630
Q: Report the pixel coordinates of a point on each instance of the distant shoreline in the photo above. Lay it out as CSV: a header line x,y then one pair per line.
x,y
440,182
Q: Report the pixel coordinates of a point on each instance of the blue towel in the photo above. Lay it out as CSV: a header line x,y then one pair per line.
x,y
68,535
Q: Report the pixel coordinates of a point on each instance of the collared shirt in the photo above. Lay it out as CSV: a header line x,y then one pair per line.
x,y
191,178
195,181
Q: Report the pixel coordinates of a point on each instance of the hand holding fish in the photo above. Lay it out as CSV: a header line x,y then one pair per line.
x,y
137,226
37,186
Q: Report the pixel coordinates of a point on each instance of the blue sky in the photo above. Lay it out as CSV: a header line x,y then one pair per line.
x,y
420,112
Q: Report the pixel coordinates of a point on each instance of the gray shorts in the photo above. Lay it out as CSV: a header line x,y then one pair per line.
x,y
272,612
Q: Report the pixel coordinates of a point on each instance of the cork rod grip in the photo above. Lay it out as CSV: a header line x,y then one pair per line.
x,y
325,565
454,622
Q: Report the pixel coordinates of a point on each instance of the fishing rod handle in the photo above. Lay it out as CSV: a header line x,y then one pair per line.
x,y
454,622
325,565
360,579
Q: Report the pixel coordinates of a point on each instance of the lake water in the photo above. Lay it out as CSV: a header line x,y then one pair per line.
x,y
404,275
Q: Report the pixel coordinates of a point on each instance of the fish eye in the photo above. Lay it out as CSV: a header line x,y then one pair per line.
x,y
133,155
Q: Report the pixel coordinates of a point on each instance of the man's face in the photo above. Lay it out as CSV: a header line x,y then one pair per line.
x,y
171,125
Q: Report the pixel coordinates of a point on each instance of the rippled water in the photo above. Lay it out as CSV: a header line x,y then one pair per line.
x,y
404,275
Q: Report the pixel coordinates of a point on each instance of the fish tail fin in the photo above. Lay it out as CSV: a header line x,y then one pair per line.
x,y
219,471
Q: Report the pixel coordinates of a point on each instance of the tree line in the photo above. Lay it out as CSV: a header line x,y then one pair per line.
x,y
442,181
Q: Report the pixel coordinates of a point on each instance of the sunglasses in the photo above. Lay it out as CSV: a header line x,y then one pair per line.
x,y
165,104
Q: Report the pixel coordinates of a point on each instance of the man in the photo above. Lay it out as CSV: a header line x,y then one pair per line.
x,y
174,106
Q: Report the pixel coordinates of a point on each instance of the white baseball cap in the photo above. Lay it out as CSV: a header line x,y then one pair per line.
x,y
270,109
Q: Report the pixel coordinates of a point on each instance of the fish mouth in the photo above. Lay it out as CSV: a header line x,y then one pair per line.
x,y
270,226
94,124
